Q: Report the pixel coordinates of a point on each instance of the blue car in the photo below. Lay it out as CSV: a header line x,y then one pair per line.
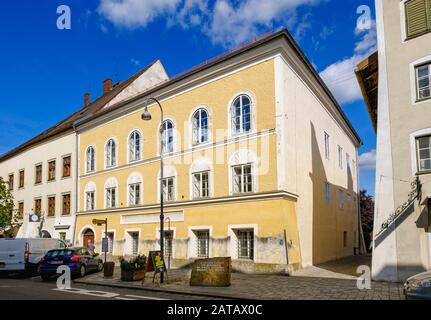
x,y
80,260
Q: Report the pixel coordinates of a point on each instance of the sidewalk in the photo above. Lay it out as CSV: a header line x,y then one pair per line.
x,y
259,287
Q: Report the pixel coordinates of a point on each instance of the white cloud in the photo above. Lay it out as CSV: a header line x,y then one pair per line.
x,y
340,76
136,13
227,22
367,160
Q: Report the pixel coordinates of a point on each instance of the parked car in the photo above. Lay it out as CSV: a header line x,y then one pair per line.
x,y
80,260
418,287
22,255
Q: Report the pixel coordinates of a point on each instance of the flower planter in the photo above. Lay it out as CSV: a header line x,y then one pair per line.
x,y
132,275
108,269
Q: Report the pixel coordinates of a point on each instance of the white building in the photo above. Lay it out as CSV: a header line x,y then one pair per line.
x,y
42,172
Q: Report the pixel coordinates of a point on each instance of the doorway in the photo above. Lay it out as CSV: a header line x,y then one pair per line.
x,y
88,238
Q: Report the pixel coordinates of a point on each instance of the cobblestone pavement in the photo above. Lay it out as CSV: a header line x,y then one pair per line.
x,y
251,286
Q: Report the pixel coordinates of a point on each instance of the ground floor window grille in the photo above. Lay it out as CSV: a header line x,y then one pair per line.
x,y
110,242
134,242
167,244
245,244
203,238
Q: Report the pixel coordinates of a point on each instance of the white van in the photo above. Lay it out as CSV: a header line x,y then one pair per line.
x,y
22,255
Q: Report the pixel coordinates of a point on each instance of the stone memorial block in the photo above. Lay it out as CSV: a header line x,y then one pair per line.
x,y
214,272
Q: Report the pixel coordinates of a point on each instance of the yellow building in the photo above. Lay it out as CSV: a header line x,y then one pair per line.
x,y
260,165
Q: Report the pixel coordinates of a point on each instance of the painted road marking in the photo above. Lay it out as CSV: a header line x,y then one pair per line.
x,y
94,293
144,297
122,298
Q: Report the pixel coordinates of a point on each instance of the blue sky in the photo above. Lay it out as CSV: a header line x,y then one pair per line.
x,y
45,71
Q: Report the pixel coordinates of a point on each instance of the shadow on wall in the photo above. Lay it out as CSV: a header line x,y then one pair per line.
x,y
330,242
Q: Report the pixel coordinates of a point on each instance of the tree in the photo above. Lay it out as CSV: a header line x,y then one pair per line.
x,y
367,216
8,218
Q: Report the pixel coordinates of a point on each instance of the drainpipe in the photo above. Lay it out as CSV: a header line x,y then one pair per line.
x,y
76,183
362,246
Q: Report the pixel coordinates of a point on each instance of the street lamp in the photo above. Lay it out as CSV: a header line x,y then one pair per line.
x,y
146,116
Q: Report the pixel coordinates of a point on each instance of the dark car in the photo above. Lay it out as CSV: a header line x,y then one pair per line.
x,y
80,261
418,287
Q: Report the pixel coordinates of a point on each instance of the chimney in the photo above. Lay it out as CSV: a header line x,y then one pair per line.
x,y
107,86
86,99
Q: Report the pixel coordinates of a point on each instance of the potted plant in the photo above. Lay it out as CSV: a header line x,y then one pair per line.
x,y
133,269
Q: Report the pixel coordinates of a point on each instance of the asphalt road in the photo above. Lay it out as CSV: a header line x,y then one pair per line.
x,y
19,288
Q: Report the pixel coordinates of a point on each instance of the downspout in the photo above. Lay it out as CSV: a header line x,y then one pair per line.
x,y
362,246
76,183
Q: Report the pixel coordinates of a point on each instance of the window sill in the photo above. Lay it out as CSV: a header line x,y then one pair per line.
x,y
51,180
67,177
421,173
423,100
37,183
408,38
65,215
50,217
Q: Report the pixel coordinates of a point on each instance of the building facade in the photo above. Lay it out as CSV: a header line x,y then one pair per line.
x,y
42,172
260,164
402,238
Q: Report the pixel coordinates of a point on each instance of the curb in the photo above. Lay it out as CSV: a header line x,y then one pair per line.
x,y
166,290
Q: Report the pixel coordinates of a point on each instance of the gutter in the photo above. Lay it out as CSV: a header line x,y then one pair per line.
x,y
76,183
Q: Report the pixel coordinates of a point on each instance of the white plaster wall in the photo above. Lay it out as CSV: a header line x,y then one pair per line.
x,y
298,108
155,75
42,153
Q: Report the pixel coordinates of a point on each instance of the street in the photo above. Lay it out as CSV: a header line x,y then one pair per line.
x,y
15,288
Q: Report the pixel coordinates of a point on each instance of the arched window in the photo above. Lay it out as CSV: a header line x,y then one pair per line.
x,y
168,136
241,114
91,159
200,126
111,153
135,146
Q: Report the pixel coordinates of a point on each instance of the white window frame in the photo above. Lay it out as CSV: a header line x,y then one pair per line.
x,y
164,134
93,207
131,192
200,190
111,159
232,133
233,243
197,128
418,99
127,236
419,170
134,150
88,160
243,183
108,202
413,81
113,231
165,194
327,193
327,145
340,157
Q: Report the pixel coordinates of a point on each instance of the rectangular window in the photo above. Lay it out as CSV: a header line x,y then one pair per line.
x,y
51,170
168,189
20,210
203,239
21,179
134,194
418,17
38,174
327,146
38,206
341,198
340,157
423,148
242,179
168,244
245,244
110,242
62,236
11,179
423,79
135,242
89,201
111,201
66,204
348,162
51,206
201,185
327,193
66,166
